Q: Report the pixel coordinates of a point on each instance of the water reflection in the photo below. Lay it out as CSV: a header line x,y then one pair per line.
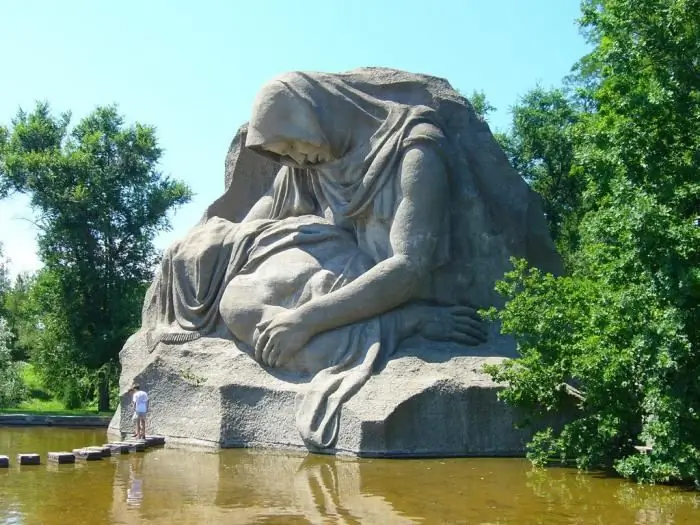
x,y
134,494
256,487
165,486
309,486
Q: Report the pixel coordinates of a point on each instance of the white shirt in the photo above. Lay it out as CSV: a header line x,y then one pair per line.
x,y
141,401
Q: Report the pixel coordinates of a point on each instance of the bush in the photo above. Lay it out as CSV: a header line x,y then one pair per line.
x,y
626,358
72,398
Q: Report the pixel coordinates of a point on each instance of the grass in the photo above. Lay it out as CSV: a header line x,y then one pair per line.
x,y
21,409
42,403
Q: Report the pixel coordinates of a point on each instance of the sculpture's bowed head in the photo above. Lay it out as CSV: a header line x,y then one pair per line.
x,y
285,126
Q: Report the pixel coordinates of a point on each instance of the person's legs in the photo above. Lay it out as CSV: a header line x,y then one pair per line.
x,y
141,431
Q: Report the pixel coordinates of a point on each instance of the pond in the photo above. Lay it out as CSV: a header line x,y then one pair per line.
x,y
179,486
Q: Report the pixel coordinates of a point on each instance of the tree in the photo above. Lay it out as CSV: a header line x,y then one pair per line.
x,y
620,335
23,317
481,105
11,386
100,200
540,146
4,277
12,389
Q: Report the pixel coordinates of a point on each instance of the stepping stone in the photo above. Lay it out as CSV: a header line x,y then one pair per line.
x,y
118,448
4,462
133,446
62,457
29,459
155,441
105,451
137,446
88,454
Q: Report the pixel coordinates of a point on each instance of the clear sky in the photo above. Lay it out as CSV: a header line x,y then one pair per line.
x,y
192,68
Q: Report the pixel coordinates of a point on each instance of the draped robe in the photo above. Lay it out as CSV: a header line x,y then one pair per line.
x,y
339,213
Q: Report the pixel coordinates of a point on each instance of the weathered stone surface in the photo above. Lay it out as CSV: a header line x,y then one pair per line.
x,y
88,454
104,450
265,287
155,441
29,459
4,462
136,445
439,404
246,178
118,448
61,457
131,446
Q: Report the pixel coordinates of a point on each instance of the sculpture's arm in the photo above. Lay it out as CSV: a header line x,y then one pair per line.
x,y
414,236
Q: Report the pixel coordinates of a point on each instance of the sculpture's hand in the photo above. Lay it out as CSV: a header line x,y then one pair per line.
x,y
281,338
461,324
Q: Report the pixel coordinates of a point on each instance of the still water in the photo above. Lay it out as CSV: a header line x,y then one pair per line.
x,y
176,486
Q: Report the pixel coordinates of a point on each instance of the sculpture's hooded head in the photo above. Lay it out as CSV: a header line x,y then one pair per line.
x,y
307,119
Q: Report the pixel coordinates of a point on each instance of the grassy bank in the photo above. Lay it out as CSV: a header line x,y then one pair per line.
x,y
41,402
48,412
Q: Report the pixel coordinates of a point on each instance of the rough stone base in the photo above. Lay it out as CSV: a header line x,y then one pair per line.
x,y
427,401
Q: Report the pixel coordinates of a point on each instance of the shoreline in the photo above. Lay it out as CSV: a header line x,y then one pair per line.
x,y
20,419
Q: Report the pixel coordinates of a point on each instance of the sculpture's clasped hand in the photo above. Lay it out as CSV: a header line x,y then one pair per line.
x,y
281,338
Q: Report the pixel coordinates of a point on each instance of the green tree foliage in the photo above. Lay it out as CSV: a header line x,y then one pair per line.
x,y
21,316
621,333
481,105
12,389
100,200
4,278
541,147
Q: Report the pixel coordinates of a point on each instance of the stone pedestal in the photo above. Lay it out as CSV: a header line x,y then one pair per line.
x,y
429,400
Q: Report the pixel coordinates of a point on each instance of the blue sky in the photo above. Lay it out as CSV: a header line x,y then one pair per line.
x,y
192,68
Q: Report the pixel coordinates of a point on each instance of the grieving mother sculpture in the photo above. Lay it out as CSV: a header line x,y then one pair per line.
x,y
381,225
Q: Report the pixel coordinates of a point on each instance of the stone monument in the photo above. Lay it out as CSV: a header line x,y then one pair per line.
x,y
328,299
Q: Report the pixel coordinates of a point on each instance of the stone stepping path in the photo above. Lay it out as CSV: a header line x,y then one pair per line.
x,y
89,453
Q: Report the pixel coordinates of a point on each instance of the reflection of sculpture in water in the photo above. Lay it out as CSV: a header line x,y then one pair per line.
x,y
340,260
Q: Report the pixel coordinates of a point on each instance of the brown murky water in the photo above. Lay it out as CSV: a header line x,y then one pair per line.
x,y
176,486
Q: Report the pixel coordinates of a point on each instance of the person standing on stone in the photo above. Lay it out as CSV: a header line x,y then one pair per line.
x,y
140,403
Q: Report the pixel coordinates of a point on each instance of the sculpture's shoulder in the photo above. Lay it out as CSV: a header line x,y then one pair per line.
x,y
424,174
427,135
426,142
426,127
